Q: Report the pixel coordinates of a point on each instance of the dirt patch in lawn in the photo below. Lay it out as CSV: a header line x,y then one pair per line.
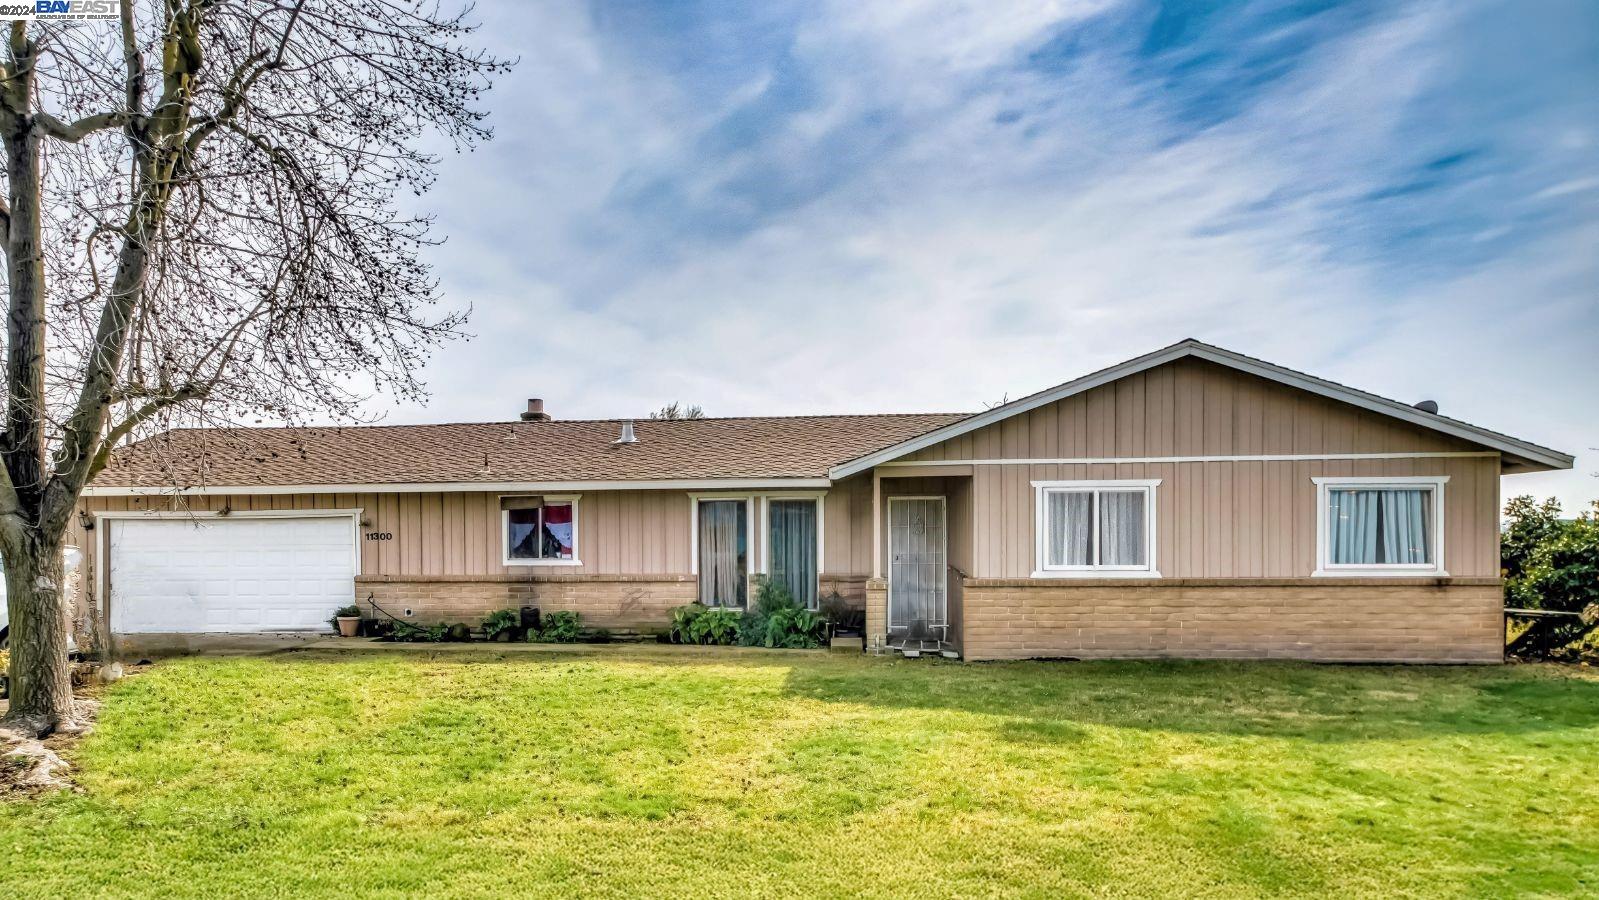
x,y
30,766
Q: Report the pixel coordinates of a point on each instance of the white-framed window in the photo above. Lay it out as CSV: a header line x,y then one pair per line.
x,y
539,530
1096,529
722,542
1380,526
792,551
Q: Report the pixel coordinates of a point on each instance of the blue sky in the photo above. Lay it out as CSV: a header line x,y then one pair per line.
x,y
844,207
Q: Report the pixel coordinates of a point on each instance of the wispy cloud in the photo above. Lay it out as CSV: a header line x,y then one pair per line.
x,y
808,207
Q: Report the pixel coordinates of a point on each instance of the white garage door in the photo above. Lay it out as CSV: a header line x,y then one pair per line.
x,y
235,574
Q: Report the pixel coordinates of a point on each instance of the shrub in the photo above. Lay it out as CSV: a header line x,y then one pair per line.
x,y
777,620
1528,523
697,623
793,628
412,633
558,628
1551,565
500,620
715,626
682,623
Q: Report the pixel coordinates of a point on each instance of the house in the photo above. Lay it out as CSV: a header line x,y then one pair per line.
x,y
1192,502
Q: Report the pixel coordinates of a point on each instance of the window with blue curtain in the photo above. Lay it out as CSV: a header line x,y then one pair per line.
x,y
1380,526
791,541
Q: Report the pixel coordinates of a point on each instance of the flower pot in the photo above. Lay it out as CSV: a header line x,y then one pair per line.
x,y
349,625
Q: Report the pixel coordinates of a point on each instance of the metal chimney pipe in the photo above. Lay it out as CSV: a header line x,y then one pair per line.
x,y
535,411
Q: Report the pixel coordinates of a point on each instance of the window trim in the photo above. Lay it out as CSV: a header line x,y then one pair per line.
x,y
765,530
1434,569
750,555
1041,492
694,529
505,531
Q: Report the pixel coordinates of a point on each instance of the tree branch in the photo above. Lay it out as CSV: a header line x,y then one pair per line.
x,y
132,58
77,131
136,418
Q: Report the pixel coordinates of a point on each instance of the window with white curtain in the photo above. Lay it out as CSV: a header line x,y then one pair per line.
x,y
1096,528
722,548
1380,526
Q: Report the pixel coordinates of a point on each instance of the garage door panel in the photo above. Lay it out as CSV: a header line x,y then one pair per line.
x,y
234,575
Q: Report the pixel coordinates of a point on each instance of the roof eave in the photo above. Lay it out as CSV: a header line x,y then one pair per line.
x,y
774,483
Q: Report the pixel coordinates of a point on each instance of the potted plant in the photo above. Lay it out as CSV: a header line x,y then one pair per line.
x,y
347,621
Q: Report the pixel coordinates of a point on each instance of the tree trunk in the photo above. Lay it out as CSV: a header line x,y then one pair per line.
x,y
41,687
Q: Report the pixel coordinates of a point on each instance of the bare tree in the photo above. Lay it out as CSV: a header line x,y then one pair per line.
x,y
202,227
677,410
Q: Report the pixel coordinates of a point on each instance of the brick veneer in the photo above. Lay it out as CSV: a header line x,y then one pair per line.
x,y
609,601
1367,620
876,613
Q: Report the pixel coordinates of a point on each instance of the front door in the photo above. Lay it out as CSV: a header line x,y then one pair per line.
x,y
917,580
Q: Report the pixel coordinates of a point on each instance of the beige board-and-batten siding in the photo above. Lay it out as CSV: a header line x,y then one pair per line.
x,y
1247,518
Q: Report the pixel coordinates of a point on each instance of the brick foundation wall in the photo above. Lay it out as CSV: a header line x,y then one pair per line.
x,y
602,601
1454,620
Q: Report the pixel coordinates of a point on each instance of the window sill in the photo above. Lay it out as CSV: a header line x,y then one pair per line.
x,y
543,562
1097,573
1379,572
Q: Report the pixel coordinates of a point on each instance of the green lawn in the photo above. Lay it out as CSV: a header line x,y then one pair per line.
x,y
720,773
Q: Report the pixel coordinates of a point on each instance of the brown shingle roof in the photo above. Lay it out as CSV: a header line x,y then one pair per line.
x,y
490,452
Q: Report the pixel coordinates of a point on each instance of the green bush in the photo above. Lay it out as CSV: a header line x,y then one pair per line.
x,y
500,620
777,620
793,628
774,621
697,623
412,633
683,618
1528,523
558,628
1553,565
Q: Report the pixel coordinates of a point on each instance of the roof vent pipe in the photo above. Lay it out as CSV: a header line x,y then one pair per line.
x,y
1428,406
627,437
535,411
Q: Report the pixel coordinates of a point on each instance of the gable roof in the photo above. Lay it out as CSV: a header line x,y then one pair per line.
x,y
503,454
1520,455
